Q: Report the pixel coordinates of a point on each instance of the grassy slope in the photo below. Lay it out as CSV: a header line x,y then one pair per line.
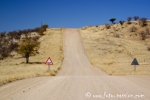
x,y
51,46
114,55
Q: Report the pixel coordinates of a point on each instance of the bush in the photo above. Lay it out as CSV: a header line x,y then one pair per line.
x,y
121,22
117,36
4,52
133,29
107,26
44,27
143,34
13,46
2,34
143,22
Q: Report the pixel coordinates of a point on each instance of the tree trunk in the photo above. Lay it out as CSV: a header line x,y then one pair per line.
x,y
27,58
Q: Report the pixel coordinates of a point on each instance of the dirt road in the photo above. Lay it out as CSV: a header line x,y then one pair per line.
x,y
78,80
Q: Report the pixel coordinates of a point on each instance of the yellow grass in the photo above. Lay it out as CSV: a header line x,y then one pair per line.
x,y
114,55
12,69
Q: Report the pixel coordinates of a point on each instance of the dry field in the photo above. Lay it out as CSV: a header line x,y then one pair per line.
x,y
51,46
114,49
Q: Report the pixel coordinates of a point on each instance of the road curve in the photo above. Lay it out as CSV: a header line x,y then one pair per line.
x,y
78,80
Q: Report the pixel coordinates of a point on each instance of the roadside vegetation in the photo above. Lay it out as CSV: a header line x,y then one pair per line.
x,y
10,41
24,52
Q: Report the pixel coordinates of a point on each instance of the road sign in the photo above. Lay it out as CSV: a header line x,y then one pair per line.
x,y
134,62
49,61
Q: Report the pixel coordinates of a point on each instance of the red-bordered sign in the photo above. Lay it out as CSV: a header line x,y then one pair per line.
x,y
49,61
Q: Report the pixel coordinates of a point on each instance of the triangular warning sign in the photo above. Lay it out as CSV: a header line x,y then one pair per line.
x,y
134,62
49,61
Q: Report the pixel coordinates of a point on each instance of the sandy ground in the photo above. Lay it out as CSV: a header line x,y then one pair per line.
x,y
77,80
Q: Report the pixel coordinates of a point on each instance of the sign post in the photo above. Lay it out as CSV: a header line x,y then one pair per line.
x,y
134,62
49,62
49,66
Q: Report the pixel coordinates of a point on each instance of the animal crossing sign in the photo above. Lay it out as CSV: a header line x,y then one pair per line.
x,y
49,62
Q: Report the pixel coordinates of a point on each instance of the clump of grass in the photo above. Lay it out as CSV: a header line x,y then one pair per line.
x,y
110,63
133,29
49,73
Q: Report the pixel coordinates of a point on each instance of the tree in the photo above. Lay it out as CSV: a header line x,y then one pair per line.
x,y
129,19
121,22
136,18
112,20
28,48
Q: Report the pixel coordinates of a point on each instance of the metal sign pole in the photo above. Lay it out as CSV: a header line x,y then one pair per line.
x,y
49,62
134,62
48,66
134,67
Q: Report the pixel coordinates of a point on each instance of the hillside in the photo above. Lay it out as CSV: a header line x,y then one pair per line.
x,y
50,46
114,49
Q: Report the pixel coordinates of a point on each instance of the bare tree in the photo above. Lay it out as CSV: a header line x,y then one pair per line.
x,y
136,18
129,19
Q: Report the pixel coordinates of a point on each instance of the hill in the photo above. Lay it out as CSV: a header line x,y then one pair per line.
x,y
14,68
109,47
113,48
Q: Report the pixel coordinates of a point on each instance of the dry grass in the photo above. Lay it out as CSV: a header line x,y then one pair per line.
x,y
114,55
12,69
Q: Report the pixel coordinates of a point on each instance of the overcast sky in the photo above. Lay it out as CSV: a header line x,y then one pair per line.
x,y
25,14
